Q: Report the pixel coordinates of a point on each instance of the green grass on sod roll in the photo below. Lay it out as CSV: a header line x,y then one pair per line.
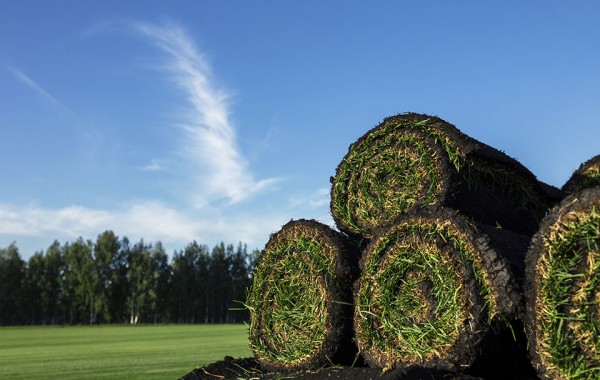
x,y
300,300
431,284
412,160
563,290
587,175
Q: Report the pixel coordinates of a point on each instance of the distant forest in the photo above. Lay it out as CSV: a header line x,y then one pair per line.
x,y
113,281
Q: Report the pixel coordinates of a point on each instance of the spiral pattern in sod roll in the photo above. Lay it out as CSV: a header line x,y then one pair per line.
x,y
384,174
413,161
430,286
563,290
300,313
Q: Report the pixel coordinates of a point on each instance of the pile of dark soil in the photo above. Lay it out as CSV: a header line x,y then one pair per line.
x,y
490,366
248,368
505,359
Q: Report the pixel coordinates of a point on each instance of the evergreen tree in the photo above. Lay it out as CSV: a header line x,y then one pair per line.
x,y
35,281
187,293
161,273
120,311
202,267
106,252
219,283
12,277
240,281
54,284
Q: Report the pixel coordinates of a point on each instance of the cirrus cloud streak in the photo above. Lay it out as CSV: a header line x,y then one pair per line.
x,y
209,142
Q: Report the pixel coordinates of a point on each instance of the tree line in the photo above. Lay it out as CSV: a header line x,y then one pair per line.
x,y
114,281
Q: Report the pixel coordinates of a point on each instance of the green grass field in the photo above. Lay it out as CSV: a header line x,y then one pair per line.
x,y
116,352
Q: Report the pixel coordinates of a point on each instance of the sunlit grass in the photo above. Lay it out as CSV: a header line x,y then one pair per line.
x,y
116,352
296,318
411,303
568,276
407,161
383,175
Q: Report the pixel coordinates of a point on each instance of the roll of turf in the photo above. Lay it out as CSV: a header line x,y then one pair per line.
x,y
413,160
431,286
563,290
588,175
301,296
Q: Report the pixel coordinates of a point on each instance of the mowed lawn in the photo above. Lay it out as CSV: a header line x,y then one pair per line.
x,y
116,352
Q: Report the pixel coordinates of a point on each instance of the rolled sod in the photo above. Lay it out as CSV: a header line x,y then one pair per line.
x,y
563,290
413,160
300,301
432,285
587,175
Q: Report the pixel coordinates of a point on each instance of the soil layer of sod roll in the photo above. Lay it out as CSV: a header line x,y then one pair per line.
x,y
301,296
563,290
588,175
413,160
432,285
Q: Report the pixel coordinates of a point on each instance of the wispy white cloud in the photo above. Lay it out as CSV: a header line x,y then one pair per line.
x,y
39,90
150,220
210,141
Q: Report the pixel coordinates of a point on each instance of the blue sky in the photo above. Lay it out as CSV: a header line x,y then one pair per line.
x,y
223,120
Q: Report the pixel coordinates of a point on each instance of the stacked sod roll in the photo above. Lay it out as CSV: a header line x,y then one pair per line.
x,y
447,220
413,160
431,284
563,283
300,300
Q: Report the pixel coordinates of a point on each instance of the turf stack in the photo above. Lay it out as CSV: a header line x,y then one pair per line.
x,y
413,160
448,221
300,300
563,286
431,284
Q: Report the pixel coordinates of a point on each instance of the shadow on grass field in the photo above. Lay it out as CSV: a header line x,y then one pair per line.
x,y
116,352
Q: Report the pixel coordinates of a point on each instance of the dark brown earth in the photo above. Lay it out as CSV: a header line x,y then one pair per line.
x,y
507,359
248,368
